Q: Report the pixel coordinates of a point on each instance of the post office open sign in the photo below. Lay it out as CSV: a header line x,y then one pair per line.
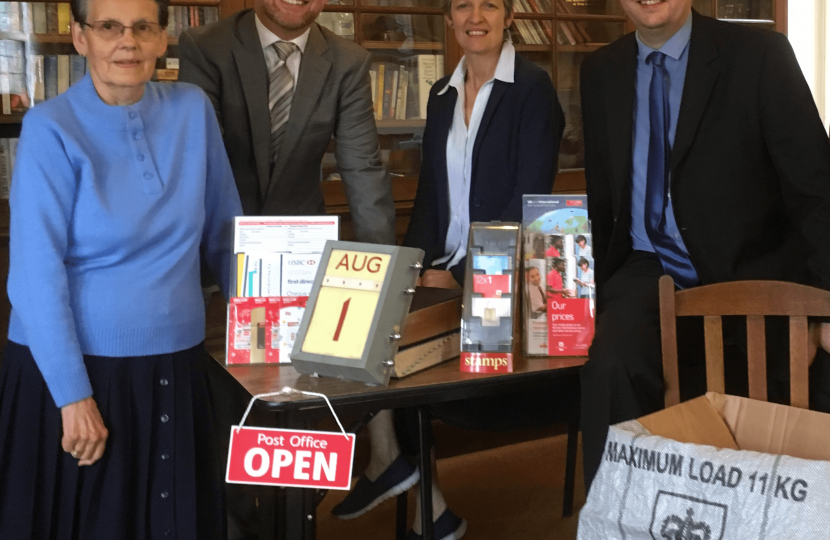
x,y
290,458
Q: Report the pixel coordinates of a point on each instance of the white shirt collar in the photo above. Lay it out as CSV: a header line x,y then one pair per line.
x,y
505,69
267,37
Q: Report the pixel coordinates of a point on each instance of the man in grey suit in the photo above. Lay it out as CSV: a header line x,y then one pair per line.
x,y
277,167
278,105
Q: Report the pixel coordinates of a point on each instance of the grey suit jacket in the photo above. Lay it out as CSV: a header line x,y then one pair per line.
x,y
332,98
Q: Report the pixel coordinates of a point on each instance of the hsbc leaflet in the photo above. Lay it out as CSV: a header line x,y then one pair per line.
x,y
276,260
559,288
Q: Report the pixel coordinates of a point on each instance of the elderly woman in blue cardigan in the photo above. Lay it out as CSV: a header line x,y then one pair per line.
x,y
118,186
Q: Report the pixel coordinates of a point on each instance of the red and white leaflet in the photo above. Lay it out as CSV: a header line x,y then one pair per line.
x,y
491,286
570,326
240,335
284,234
291,315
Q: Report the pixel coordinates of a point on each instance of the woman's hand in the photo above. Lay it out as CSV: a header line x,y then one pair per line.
x,y
84,433
441,279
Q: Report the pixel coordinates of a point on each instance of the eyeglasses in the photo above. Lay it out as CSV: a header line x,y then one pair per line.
x,y
112,30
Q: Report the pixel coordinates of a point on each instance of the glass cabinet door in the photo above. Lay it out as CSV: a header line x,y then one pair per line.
x,y
764,13
406,39
556,35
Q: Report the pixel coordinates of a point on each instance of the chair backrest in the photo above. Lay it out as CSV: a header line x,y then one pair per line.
x,y
753,299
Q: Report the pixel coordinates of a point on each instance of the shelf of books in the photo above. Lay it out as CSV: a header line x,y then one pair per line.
x,y
408,47
38,60
770,14
557,35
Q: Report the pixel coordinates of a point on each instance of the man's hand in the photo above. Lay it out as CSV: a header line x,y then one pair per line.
x,y
566,293
84,433
824,336
441,279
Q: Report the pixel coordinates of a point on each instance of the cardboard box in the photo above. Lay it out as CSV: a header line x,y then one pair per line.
x,y
716,467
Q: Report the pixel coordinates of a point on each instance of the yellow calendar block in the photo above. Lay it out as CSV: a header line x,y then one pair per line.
x,y
341,322
358,265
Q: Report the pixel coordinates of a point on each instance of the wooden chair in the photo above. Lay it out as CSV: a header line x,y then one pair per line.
x,y
753,299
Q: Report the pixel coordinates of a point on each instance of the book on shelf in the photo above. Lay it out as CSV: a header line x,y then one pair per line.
x,y
400,90
180,18
381,73
10,18
393,94
63,73
373,81
570,38
8,150
583,35
51,18
54,74
167,75
400,99
27,17
531,31
542,31
171,21
50,76
13,147
413,101
575,32
427,76
39,17
12,76
39,88
5,168
77,65
64,18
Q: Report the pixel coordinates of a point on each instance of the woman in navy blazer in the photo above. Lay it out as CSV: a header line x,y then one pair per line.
x,y
514,153
480,156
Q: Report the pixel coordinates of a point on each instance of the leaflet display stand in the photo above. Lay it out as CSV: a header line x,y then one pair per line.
x,y
490,297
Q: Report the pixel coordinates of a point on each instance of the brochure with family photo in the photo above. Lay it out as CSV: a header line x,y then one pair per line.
x,y
559,289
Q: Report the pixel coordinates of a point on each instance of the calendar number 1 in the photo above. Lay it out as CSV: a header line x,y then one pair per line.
x,y
343,312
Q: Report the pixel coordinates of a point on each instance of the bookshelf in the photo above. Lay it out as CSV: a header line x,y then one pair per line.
x,y
557,35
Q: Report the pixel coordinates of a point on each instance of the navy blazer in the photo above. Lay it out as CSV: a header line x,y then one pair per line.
x,y
750,166
515,153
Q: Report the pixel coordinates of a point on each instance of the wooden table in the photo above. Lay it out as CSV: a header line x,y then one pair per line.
x,y
441,383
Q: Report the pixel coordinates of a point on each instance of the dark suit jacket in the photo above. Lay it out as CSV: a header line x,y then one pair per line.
x,y
332,97
514,154
750,164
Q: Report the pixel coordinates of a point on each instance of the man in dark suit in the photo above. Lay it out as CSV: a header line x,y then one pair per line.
x,y
705,159
282,87
277,124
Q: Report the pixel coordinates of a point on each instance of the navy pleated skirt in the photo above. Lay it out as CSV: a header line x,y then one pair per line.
x,y
159,477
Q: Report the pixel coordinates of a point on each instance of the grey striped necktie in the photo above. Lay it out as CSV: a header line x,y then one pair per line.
x,y
280,94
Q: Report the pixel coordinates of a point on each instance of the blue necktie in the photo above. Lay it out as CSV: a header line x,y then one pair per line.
x,y
675,262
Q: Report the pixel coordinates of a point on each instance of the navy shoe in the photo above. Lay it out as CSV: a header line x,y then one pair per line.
x,y
448,526
396,479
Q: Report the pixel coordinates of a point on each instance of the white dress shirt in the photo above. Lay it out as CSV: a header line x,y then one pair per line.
x,y
272,61
460,143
